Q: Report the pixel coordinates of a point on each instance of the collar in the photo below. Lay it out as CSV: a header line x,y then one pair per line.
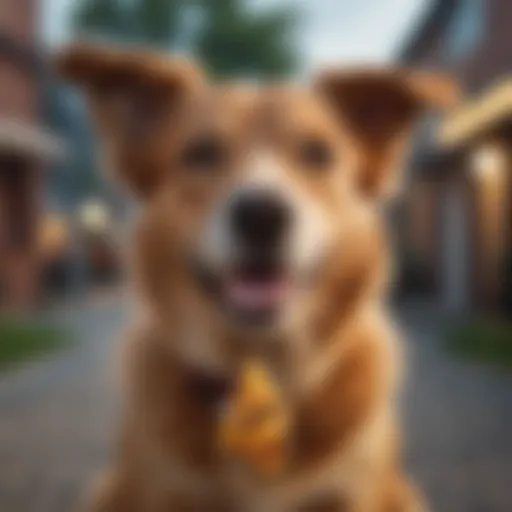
x,y
208,388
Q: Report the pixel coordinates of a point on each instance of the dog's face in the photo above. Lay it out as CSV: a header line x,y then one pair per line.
x,y
263,179
248,193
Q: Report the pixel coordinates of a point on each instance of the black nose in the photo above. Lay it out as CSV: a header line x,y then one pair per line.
x,y
260,219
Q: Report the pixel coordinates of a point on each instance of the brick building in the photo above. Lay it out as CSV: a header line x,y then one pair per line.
x,y
458,221
25,148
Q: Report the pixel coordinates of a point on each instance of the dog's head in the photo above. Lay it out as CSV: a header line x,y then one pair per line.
x,y
249,193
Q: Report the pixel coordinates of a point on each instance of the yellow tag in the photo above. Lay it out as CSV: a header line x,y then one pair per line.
x,y
256,423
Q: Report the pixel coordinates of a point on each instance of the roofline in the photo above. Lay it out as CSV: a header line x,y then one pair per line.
x,y
433,23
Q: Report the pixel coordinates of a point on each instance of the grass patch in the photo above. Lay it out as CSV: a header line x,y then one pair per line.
x,y
22,340
485,341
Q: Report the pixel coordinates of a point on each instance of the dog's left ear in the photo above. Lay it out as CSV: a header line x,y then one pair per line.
x,y
379,108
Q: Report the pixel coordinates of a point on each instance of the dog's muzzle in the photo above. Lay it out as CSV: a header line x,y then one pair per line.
x,y
255,281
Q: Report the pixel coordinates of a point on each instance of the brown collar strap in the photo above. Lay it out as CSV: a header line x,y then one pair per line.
x,y
209,389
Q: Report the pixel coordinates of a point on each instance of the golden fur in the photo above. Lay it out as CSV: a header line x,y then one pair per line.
x,y
336,356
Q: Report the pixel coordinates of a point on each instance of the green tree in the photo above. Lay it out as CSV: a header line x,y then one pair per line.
x,y
227,36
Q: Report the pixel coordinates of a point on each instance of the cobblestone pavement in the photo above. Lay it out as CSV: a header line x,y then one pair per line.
x,y
57,417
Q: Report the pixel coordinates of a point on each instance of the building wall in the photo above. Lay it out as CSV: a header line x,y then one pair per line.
x,y
492,197
18,19
475,47
19,94
20,176
19,90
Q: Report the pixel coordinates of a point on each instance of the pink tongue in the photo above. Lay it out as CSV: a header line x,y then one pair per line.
x,y
255,295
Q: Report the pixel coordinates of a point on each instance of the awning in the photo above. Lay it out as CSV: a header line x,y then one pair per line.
x,y
25,139
478,117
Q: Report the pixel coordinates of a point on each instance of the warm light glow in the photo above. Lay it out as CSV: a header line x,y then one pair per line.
x,y
488,161
53,236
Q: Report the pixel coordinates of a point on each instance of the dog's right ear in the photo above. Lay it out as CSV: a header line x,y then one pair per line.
x,y
379,107
134,97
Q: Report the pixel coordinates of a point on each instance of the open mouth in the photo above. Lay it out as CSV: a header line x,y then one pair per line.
x,y
253,290
256,289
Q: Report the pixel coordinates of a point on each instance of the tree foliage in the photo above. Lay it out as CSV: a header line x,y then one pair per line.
x,y
227,36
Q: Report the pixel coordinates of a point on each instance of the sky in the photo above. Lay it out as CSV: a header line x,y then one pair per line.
x,y
332,31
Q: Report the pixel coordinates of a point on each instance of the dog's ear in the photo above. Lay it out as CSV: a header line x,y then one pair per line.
x,y
379,108
134,97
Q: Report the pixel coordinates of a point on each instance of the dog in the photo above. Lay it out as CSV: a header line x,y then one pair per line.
x,y
262,234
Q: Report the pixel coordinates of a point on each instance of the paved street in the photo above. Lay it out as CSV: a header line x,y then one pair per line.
x,y
458,424
56,417
56,421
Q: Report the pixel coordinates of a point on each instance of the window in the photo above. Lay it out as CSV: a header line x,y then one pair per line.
x,y
466,30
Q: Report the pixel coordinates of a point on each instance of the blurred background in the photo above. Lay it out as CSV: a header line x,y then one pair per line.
x,y
63,229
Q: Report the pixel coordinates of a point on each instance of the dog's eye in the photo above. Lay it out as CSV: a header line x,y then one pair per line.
x,y
315,153
205,153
